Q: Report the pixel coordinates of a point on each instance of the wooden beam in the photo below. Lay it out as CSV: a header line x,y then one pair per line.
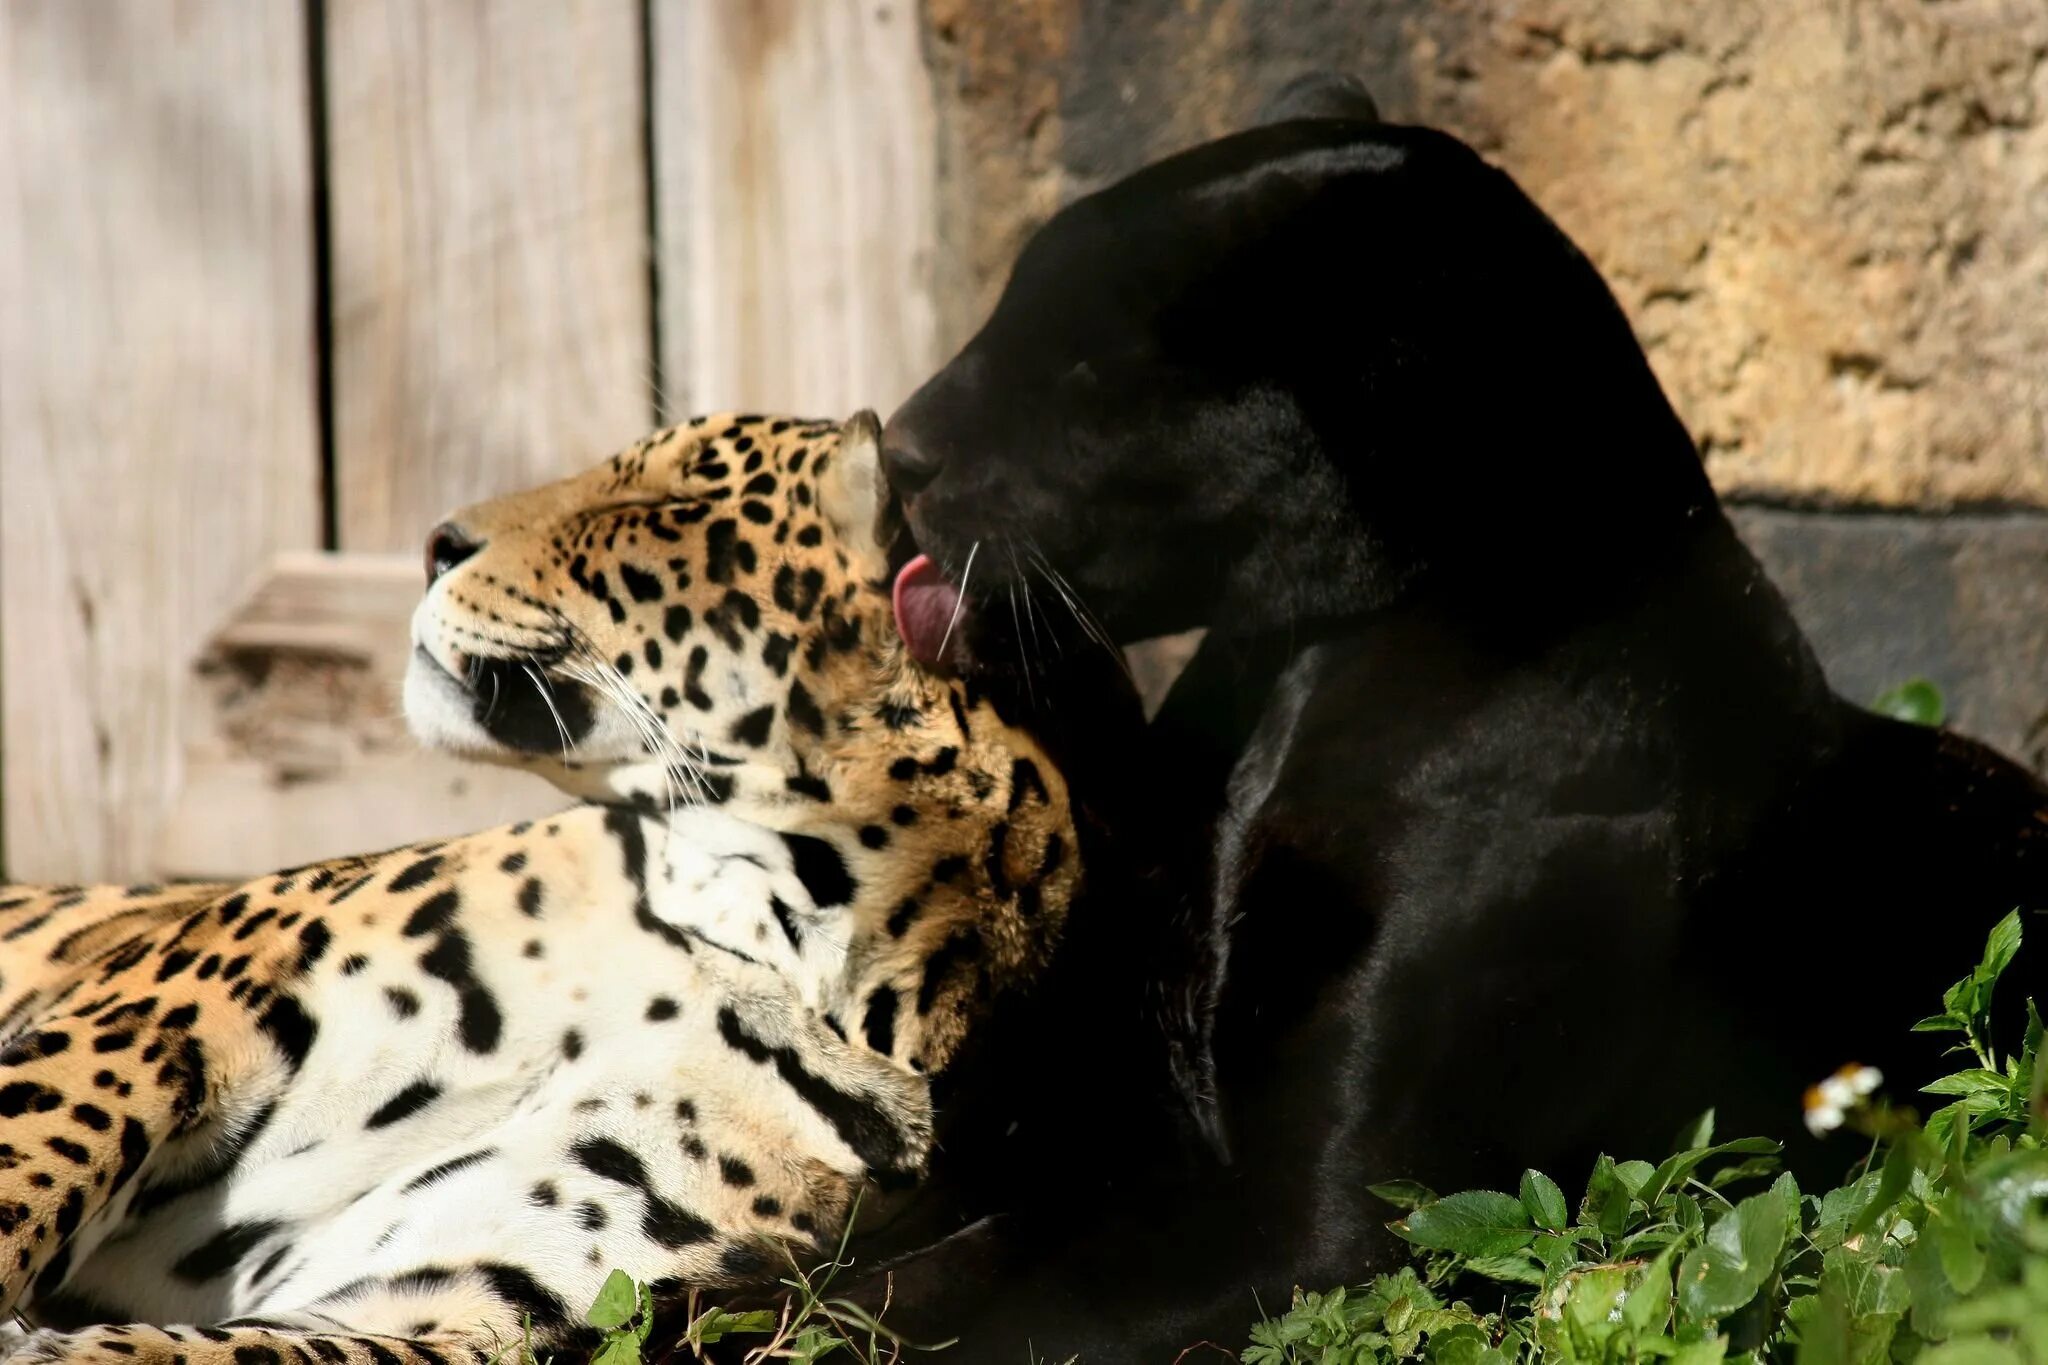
x,y
157,438
794,152
296,742
489,251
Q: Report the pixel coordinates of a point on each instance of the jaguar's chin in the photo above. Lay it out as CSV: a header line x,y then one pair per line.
x,y
504,710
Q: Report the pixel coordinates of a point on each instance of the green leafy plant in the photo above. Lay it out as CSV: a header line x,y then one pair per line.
x,y
810,1326
1934,1251
624,1312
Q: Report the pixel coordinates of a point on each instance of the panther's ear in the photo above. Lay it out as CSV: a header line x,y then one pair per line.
x,y
1319,94
851,492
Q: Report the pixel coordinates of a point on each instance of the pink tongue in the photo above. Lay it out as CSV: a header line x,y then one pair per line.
x,y
926,605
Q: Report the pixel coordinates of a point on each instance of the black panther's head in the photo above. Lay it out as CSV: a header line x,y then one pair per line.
x,y
1286,374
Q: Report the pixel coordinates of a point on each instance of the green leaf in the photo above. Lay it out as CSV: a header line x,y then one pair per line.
x,y
1955,1242
1649,1303
1787,1191
1970,1081
2037,1075
617,1300
1710,1351
1948,1128
1544,1201
620,1349
1506,1269
1403,1194
1464,1344
1699,1134
1607,1199
1473,1223
1742,1170
1740,1253
1676,1168
1596,1298
1866,1284
716,1324
1971,1351
1840,1208
812,1343
1557,1254
2000,947
1892,1183
1634,1175
1932,1294
1915,701
2010,1188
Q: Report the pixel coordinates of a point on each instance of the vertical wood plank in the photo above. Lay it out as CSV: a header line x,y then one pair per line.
x,y
157,424
794,155
488,212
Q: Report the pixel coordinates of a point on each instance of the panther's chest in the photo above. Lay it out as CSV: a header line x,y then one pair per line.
x,y
597,1075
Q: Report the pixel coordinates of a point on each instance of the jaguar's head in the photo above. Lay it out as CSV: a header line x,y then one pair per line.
x,y
707,619
707,603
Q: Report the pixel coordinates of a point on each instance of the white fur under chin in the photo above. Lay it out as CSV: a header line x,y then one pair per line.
x,y
437,711
440,713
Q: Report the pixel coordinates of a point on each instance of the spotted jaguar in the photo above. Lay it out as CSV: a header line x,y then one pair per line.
x,y
414,1106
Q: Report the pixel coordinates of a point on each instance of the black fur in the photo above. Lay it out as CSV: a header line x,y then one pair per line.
x,y
1516,820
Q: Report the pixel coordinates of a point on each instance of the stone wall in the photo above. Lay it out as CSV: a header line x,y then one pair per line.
x,y
1827,219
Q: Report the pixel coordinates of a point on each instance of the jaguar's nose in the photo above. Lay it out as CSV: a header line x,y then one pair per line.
x,y
447,546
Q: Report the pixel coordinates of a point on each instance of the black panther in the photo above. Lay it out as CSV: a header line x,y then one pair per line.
x,y
1504,814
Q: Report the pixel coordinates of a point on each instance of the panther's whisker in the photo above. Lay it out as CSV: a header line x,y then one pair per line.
x,y
960,601
1017,626
1030,616
1090,627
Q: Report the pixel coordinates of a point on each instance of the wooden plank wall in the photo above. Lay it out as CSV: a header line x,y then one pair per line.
x,y
157,417
795,148
499,313
488,203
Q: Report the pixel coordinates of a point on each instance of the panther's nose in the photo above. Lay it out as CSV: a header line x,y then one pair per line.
x,y
447,546
908,465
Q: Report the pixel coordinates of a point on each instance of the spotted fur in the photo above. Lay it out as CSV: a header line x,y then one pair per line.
x,y
396,1107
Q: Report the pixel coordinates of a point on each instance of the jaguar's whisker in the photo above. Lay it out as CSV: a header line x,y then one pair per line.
x,y
674,762
547,697
594,670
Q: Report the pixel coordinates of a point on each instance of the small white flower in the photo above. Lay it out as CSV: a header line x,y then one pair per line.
x,y
1822,1118
1828,1104
1837,1093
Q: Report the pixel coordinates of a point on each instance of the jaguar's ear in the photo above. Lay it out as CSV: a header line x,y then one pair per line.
x,y
851,492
